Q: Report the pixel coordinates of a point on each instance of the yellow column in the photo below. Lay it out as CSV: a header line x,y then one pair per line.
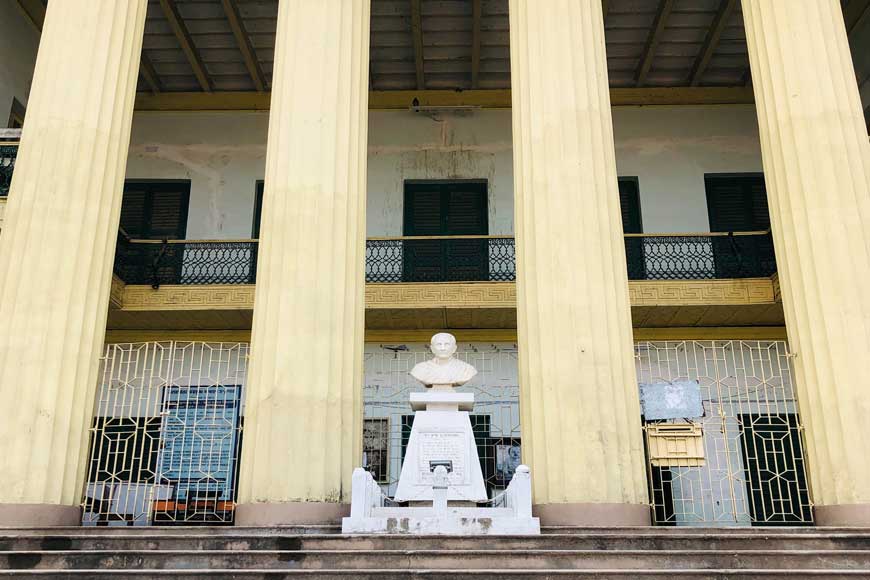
x,y
56,253
817,168
579,396
303,412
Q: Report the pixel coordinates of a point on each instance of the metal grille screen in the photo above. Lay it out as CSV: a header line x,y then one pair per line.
x,y
753,470
168,422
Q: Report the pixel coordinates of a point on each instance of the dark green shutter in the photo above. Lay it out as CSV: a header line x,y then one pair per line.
x,y
738,203
629,203
445,209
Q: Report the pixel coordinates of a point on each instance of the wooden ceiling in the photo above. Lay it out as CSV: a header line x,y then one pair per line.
x,y
228,45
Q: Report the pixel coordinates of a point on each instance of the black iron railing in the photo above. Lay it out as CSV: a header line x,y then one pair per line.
x,y
8,154
448,259
157,262
699,256
441,259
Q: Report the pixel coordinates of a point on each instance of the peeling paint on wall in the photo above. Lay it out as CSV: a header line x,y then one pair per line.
x,y
669,149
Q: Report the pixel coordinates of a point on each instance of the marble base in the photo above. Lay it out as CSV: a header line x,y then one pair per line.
x,y
455,522
441,432
290,513
606,515
39,515
847,515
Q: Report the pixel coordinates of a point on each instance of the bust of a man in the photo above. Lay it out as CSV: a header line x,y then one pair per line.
x,y
443,369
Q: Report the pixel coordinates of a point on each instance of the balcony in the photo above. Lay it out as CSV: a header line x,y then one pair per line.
x,y
459,282
446,259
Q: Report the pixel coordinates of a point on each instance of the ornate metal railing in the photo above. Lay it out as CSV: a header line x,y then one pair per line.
x,y
158,262
441,259
699,256
449,259
8,153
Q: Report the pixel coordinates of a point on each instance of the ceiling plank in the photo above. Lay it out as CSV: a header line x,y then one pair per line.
x,y
475,43
605,8
245,46
481,98
726,8
655,35
417,33
34,10
170,11
149,74
855,13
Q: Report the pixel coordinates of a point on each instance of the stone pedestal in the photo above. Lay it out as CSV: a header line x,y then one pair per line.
x,y
441,469
817,170
441,432
56,253
303,421
580,414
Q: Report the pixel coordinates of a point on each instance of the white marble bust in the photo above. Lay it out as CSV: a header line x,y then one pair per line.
x,y
443,369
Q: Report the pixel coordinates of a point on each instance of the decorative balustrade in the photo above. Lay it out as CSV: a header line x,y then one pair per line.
x,y
8,152
449,259
699,256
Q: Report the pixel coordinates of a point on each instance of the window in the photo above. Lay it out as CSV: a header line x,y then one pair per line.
x,y
446,208
629,202
155,210
376,448
258,210
738,203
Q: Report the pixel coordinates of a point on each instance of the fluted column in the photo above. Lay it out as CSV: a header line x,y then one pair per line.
x,y
579,397
303,422
817,169
56,252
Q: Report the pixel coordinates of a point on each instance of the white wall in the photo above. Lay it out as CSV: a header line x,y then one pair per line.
x,y
19,42
668,148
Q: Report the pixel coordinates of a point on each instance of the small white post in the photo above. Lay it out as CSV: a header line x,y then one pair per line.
x,y
522,492
439,490
359,501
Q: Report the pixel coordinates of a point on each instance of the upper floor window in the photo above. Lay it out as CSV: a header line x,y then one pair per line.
x,y
155,210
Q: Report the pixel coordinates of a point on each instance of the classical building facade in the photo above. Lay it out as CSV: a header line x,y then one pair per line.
x,y
232,227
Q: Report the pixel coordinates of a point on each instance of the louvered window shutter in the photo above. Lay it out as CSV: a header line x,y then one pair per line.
x,y
156,210
738,203
629,202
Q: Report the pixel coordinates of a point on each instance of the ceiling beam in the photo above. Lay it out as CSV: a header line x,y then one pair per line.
x,y
475,42
483,99
726,8
34,10
245,46
417,33
855,13
146,69
652,42
170,11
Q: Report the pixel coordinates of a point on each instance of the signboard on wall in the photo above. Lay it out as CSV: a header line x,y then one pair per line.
x,y
671,400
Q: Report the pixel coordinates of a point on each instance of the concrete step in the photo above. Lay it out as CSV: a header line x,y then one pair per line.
x,y
439,559
244,540
336,530
454,574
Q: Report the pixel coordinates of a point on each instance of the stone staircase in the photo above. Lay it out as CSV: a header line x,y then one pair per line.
x,y
317,553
